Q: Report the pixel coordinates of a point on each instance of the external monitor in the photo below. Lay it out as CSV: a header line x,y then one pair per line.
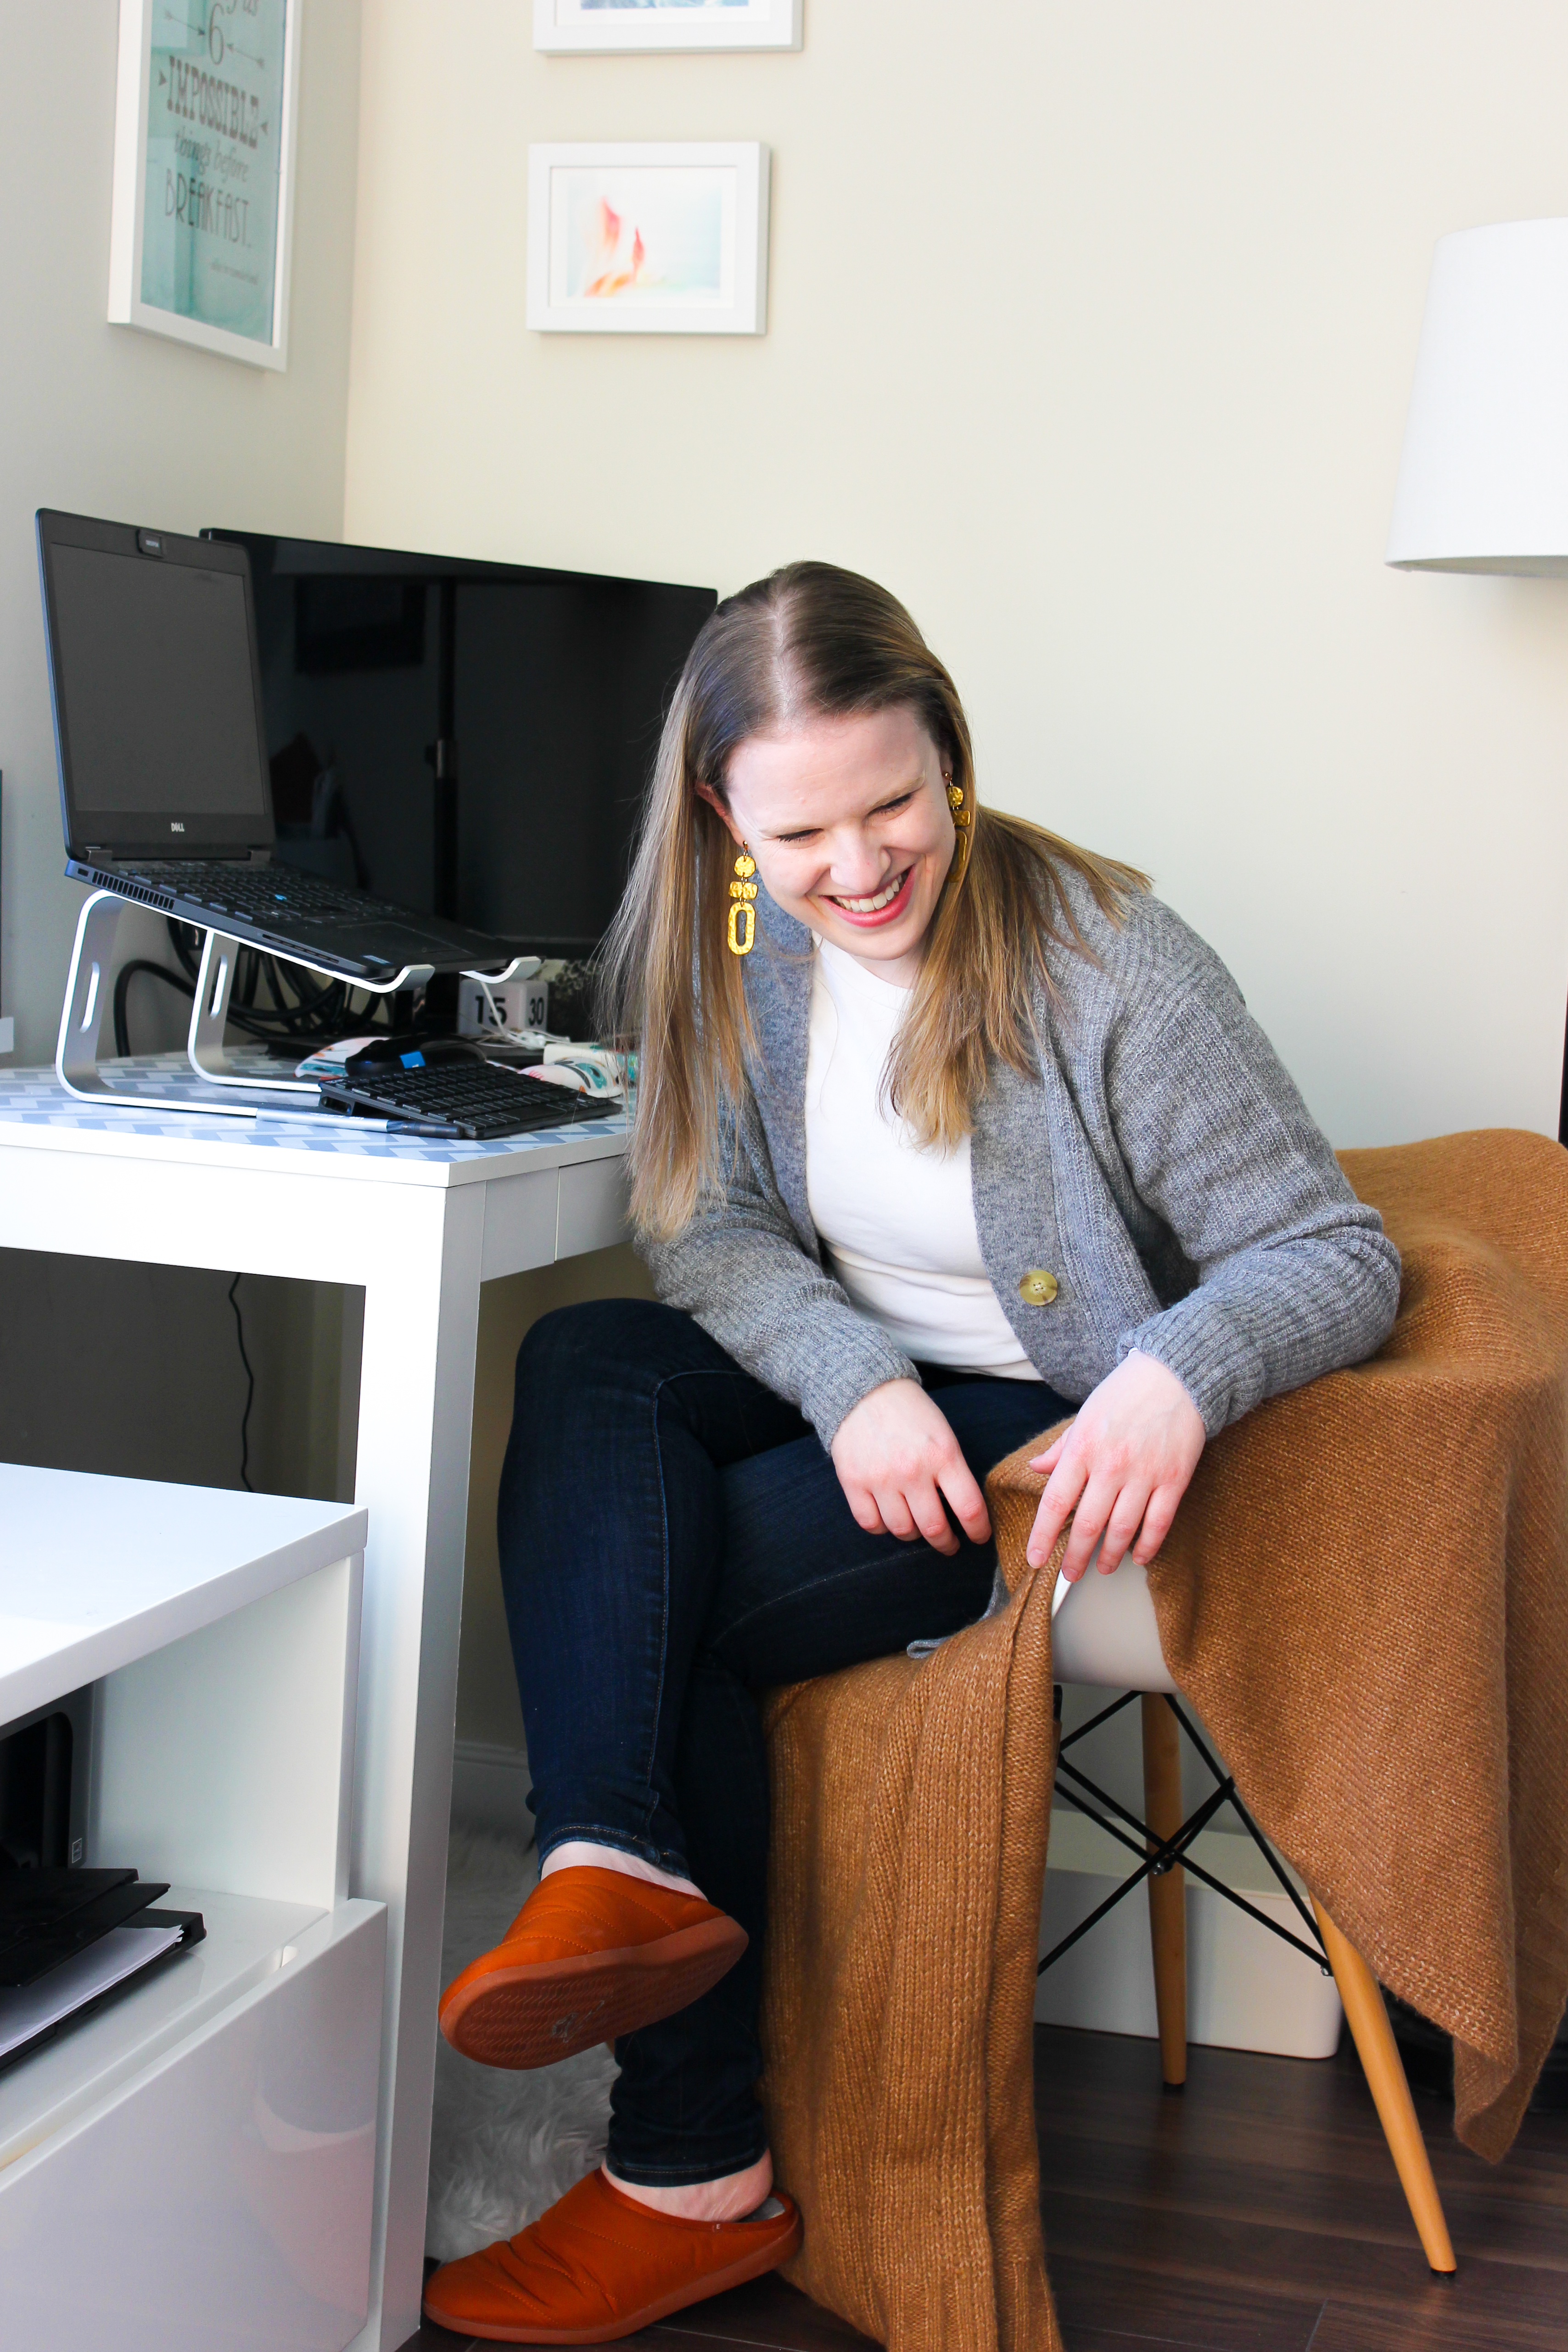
x,y
466,738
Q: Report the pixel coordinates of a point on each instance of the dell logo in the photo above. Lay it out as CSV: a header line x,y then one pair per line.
x,y
174,826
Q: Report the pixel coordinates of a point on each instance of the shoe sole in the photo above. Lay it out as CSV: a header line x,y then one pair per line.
x,y
749,2264
543,2011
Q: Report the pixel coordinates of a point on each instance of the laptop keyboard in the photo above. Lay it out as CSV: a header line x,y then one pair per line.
x,y
261,893
468,1099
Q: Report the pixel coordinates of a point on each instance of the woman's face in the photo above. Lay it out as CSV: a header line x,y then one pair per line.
x,y
850,824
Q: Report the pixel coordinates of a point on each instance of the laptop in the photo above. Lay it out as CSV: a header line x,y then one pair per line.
x,y
164,786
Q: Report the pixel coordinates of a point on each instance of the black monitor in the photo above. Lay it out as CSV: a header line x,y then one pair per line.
x,y
464,739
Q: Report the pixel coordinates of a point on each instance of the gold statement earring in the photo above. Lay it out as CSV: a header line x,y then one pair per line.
x,y
743,911
961,816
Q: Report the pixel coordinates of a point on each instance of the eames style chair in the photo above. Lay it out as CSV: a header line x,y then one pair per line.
x,y
1105,1635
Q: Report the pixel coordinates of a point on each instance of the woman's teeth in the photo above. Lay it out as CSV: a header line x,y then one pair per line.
x,y
884,897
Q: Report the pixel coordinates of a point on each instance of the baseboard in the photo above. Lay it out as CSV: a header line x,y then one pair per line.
x,y
490,1787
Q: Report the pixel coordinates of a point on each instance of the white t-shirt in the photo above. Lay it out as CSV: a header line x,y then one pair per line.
x,y
896,1220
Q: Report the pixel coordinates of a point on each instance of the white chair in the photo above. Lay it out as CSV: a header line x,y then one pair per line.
x,y
1104,1634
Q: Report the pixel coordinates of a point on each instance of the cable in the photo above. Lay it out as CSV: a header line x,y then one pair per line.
x,y
316,1016
124,979
299,1014
249,1394
306,1017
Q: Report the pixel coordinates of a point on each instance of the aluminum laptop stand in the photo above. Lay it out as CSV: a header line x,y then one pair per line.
x,y
88,988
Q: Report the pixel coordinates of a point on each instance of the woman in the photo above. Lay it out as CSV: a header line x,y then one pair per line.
x,y
945,1129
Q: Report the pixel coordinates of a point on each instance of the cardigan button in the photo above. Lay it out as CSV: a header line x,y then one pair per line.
x,y
1038,1286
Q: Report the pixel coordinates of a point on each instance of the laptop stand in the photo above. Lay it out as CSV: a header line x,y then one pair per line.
x,y
88,990
204,1047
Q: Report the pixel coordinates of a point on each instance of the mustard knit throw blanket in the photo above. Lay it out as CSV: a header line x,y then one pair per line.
x,y
1365,1594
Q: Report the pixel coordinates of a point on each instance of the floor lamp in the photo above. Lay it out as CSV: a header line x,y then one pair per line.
x,y
1483,478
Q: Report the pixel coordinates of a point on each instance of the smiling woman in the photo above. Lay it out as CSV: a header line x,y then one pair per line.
x,y
845,748
962,1131
853,828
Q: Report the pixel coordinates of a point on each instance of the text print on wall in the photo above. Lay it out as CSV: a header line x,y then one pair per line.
x,y
214,113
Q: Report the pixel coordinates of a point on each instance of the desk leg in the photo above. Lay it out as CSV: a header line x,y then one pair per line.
x,y
415,1418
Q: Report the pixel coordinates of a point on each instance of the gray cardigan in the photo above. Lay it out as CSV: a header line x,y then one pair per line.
x,y
1162,1166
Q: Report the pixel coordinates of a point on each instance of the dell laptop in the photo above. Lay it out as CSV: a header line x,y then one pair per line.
x,y
164,785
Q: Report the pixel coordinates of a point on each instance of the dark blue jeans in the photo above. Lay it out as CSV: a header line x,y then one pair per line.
x,y
673,1540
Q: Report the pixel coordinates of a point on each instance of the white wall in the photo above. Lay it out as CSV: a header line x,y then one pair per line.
x,y
1091,331
106,420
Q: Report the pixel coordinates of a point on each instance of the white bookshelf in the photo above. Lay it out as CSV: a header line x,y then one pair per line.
x,y
193,2165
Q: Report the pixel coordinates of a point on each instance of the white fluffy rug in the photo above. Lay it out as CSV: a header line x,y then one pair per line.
x,y
503,2146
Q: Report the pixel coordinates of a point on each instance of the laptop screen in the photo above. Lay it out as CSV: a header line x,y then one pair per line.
x,y
156,699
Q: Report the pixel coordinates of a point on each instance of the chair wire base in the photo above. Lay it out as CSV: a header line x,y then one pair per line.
x,y
1160,1854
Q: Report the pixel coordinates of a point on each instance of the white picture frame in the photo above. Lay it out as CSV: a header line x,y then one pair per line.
x,y
661,237
214,129
571,28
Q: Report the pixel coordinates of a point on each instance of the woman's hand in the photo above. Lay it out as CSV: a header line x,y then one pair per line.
x,y
1120,1469
896,1457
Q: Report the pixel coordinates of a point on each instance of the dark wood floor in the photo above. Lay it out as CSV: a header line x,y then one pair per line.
x,y
1258,2212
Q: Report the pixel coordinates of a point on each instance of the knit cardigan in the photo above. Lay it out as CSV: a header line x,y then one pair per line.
x,y
1160,1164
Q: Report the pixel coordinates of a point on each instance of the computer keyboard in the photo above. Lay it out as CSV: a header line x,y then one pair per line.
x,y
258,892
474,1099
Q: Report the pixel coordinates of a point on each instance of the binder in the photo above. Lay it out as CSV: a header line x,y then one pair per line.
x,y
50,1915
33,2014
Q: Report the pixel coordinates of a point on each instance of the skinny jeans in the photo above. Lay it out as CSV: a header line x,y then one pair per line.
x,y
674,1540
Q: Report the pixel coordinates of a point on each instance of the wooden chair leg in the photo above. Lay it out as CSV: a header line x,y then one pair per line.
x,y
1379,2055
1167,1895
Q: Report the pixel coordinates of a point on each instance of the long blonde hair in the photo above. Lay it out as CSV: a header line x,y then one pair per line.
x,y
809,642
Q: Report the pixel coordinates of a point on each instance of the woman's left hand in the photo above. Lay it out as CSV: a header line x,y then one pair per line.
x,y
1120,1470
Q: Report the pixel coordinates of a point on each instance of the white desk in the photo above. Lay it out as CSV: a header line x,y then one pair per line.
x,y
419,1224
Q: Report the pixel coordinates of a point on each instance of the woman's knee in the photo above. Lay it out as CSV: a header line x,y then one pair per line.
x,y
599,1341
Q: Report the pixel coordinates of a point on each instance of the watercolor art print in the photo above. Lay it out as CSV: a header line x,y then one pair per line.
x,y
609,25
648,239
655,238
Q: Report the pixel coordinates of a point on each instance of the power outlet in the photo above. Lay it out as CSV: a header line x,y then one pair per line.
x,y
503,1004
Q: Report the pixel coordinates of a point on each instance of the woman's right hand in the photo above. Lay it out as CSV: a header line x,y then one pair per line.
x,y
896,1457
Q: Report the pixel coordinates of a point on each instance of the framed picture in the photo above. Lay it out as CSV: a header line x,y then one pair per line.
x,y
661,239
204,173
578,24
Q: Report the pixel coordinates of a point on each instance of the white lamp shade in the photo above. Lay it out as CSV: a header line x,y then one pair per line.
x,y
1483,479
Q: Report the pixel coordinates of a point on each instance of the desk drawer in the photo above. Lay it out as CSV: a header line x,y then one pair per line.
x,y
520,1223
222,2197
593,1206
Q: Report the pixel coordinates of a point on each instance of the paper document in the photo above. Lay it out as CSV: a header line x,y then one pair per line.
x,y
27,2009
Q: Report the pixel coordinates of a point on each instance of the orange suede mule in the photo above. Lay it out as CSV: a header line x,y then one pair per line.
x,y
599,2265
592,1954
